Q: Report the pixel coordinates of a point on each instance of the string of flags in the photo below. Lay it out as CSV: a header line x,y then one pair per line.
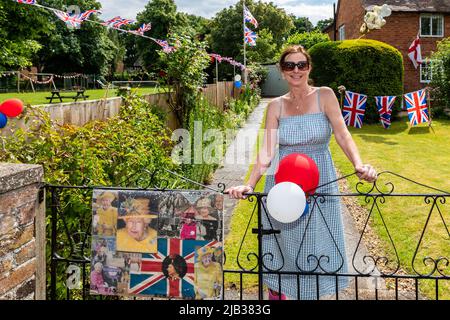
x,y
116,23
354,108
50,80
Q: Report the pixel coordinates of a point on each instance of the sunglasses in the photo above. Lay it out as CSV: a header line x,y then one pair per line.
x,y
289,66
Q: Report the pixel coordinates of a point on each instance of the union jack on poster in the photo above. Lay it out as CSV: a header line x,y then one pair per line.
x,y
416,103
26,1
250,37
354,109
248,17
151,279
384,106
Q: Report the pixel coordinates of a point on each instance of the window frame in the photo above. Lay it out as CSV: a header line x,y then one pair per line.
x,y
341,31
431,15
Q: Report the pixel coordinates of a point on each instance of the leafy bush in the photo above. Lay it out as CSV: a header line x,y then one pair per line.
x,y
307,39
364,66
440,83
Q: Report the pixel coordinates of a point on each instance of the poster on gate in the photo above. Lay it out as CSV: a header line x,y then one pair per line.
x,y
165,244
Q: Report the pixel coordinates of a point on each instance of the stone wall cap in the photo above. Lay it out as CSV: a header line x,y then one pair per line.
x,y
16,175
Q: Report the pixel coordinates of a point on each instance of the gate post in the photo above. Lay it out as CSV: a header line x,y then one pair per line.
x,y
22,232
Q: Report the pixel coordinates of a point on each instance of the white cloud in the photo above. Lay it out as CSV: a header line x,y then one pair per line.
x,y
208,8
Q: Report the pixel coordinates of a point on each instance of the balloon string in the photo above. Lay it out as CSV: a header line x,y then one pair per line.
x,y
325,184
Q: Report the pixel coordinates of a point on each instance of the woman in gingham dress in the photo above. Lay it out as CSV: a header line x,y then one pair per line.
x,y
302,121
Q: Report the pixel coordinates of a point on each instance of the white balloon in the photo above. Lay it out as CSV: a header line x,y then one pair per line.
x,y
237,77
286,202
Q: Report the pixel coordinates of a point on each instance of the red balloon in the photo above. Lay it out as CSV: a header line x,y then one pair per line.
x,y
299,169
11,107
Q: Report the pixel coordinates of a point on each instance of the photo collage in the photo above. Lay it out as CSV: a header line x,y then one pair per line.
x,y
157,243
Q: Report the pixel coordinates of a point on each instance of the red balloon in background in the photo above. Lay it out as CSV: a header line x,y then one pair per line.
x,y
11,107
299,169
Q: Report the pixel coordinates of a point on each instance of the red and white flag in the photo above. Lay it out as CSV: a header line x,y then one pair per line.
x,y
414,52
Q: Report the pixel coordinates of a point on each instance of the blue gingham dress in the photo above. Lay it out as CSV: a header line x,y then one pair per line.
x,y
306,245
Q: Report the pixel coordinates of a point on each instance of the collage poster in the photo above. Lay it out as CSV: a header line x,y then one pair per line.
x,y
157,243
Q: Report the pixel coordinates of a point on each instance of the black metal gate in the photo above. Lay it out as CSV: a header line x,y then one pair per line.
x,y
418,268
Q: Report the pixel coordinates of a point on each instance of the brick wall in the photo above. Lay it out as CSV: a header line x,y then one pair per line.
x,y
22,239
399,31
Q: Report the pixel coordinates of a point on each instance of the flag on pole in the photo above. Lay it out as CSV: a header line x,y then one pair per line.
x,y
248,17
384,106
250,37
26,1
416,103
354,109
414,52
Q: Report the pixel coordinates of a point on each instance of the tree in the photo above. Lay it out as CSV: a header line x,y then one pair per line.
x,y
84,50
163,16
308,39
20,33
302,24
185,74
322,24
227,31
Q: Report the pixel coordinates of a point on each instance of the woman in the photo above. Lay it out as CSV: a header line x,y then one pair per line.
x,y
303,121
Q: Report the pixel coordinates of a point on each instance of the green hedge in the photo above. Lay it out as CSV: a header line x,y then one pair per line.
x,y
369,67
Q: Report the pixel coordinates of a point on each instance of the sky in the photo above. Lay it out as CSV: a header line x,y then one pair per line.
x,y
315,10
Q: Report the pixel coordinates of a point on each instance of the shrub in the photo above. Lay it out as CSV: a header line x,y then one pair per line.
x,y
440,83
307,39
369,67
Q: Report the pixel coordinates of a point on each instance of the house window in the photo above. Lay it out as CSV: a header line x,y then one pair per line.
x,y
432,25
342,32
426,71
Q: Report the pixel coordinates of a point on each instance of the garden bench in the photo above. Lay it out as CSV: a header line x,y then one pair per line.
x,y
59,94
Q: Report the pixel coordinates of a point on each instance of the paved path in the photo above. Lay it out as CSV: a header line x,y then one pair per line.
x,y
233,173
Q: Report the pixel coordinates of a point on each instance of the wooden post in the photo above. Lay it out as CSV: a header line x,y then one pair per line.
x,y
18,81
217,83
427,89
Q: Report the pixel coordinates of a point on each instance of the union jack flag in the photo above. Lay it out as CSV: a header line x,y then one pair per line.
x,y
384,106
150,280
248,17
143,28
76,19
165,45
416,103
354,109
250,37
117,22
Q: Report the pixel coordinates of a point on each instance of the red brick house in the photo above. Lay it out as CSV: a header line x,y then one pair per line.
x,y
431,18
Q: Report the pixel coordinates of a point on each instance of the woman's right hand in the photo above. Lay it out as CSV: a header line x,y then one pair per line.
x,y
237,192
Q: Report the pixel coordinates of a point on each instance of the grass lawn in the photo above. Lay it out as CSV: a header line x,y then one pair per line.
x,y
421,155
40,97
417,153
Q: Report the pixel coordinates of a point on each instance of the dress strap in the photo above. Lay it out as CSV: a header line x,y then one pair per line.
x,y
318,99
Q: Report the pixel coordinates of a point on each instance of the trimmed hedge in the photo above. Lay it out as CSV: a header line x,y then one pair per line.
x,y
369,67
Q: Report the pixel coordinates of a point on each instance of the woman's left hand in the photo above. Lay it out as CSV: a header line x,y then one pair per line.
x,y
366,172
